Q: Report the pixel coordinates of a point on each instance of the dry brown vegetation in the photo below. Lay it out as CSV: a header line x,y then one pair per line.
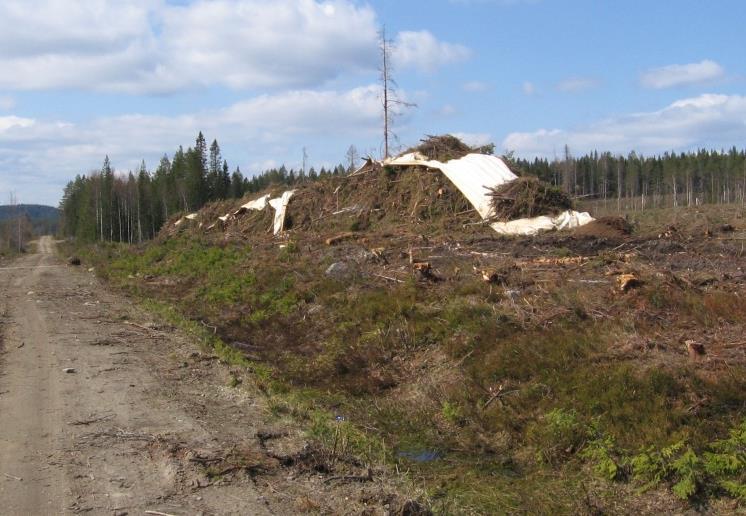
x,y
528,197
504,374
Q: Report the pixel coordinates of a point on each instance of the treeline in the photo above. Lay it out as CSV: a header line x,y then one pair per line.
x,y
640,182
15,233
131,208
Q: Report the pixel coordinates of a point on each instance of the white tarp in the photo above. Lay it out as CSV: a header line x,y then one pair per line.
x,y
280,205
256,204
191,216
565,220
474,174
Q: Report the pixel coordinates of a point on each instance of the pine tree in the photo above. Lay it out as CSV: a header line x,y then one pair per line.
x,y
238,186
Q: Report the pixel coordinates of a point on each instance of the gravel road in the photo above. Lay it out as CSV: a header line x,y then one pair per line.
x,y
103,410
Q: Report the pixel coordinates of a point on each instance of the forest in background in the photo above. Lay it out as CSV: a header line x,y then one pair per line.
x,y
109,206
19,223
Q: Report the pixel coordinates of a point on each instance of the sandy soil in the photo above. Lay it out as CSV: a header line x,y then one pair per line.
x,y
103,411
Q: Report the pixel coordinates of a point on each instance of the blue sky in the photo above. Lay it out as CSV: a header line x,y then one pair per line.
x,y
266,78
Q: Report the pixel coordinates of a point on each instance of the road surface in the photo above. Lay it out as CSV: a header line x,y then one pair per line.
x,y
103,411
88,420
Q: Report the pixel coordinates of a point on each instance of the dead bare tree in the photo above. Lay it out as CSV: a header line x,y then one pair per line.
x,y
352,157
17,212
390,97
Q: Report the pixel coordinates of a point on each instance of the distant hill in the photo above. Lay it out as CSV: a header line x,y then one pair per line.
x,y
32,211
44,219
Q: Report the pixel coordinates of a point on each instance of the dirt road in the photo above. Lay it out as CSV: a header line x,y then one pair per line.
x,y
104,412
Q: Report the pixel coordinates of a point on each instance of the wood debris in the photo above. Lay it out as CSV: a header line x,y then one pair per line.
x,y
627,282
695,349
339,238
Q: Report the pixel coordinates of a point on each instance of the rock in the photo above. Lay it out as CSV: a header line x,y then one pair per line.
x,y
69,370
339,270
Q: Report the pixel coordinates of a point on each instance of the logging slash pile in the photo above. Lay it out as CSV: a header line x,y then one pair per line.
x,y
527,197
444,148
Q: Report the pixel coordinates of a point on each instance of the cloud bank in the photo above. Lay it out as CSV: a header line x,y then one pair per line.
x,y
152,47
707,120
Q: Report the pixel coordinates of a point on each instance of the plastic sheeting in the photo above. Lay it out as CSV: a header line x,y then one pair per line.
x,y
474,174
565,220
280,205
191,216
256,204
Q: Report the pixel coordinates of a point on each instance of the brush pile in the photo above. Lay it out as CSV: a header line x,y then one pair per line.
x,y
528,197
446,147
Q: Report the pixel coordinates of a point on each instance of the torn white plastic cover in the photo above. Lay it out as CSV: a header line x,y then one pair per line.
x,y
280,205
473,174
565,220
256,204
191,216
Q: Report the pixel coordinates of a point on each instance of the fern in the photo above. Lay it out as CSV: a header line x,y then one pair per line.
x,y
721,470
689,471
735,489
608,460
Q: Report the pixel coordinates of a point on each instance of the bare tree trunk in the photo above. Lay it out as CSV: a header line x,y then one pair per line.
x,y
139,222
619,185
385,80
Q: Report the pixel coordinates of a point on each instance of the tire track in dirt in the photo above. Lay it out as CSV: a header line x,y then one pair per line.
x,y
80,418
104,411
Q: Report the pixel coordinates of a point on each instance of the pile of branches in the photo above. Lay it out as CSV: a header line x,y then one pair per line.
x,y
527,197
447,147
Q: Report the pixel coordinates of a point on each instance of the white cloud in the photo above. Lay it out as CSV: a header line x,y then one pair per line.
x,y
475,86
422,51
528,88
705,121
11,122
39,157
303,112
151,46
260,43
577,84
679,75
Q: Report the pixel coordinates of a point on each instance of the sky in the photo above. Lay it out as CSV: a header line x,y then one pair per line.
x,y
135,79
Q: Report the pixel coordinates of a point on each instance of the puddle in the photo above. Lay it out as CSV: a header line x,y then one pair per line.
x,y
420,455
